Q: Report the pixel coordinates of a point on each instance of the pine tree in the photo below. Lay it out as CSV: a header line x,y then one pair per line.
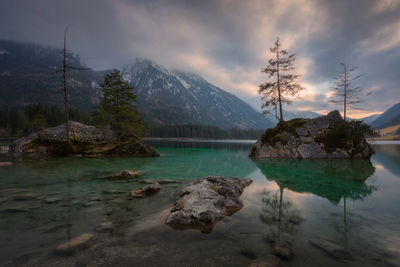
x,y
282,85
117,108
344,93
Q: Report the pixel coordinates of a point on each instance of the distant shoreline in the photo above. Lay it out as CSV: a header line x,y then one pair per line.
x,y
372,141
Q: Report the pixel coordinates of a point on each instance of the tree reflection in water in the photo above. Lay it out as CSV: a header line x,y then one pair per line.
x,y
330,179
282,217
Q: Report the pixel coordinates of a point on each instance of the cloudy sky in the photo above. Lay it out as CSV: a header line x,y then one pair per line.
x,y
227,41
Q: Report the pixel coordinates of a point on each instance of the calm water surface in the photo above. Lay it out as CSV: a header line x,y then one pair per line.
x,y
352,203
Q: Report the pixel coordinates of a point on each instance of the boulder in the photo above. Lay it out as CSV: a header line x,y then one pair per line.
x,y
205,201
331,249
74,245
319,138
86,140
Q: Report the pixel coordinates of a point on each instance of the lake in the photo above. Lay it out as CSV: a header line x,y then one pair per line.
x,y
353,203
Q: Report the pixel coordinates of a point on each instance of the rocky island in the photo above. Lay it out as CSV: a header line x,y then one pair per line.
x,y
85,140
320,138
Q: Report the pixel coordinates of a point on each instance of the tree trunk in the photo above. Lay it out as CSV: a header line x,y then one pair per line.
x,y
345,93
65,87
280,213
279,85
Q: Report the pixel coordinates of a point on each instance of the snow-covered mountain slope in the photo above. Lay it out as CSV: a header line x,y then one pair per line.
x,y
175,97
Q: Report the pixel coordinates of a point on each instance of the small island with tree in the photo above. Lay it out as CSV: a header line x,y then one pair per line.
x,y
329,136
118,130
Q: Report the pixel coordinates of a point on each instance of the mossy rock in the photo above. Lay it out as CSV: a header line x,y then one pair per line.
x,y
282,131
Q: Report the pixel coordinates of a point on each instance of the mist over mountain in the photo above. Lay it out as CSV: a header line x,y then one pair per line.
x,y
31,73
388,118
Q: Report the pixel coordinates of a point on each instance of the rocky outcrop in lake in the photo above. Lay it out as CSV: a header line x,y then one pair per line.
x,y
86,141
205,201
323,137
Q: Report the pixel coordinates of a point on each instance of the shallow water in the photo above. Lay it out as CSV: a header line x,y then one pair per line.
x,y
352,203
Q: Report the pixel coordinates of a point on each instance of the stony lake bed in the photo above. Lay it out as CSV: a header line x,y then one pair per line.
x,y
295,213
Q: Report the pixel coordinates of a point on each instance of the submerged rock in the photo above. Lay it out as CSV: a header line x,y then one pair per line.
x,y
269,261
151,188
125,174
56,228
323,137
331,249
282,250
74,245
205,201
28,196
248,253
136,193
51,200
167,181
86,140
148,189
104,227
4,149
162,181
5,163
15,209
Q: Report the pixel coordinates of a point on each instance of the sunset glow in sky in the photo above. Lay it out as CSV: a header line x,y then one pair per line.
x,y
226,41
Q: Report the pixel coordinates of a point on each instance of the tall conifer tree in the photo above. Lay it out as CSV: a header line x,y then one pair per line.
x,y
282,85
117,108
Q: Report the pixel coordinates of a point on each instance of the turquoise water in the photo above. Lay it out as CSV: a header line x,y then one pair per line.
x,y
352,203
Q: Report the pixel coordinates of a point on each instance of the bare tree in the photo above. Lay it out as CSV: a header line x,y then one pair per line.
x,y
66,56
65,84
343,92
282,85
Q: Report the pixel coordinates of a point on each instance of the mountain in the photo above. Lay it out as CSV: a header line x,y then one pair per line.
x,y
370,119
388,118
31,73
288,115
176,97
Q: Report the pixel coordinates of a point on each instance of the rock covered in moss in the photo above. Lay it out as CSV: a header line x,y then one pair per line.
x,y
323,137
86,140
205,201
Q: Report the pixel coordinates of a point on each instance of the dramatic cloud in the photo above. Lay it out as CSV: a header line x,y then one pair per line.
x,y
227,41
